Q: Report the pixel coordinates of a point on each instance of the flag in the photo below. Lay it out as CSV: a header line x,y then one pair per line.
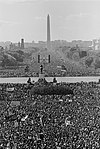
x,y
24,118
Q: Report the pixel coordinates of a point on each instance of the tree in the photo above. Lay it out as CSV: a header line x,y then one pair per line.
x,y
20,52
89,61
82,54
97,63
8,62
18,57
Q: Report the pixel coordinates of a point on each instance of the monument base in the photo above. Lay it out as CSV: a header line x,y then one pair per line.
x,y
41,76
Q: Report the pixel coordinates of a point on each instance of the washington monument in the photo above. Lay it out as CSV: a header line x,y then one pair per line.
x,y
48,33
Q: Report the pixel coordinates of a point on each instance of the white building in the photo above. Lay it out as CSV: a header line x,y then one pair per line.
x,y
96,44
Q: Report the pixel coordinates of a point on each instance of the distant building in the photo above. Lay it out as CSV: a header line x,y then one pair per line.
x,y
96,44
19,45
12,46
22,43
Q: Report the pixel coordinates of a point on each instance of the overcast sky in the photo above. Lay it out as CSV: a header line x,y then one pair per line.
x,y
70,19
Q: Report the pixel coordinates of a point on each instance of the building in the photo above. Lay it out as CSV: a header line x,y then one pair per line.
x,y
96,44
19,45
22,43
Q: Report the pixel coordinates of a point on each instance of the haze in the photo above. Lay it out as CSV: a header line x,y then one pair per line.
x,y
70,20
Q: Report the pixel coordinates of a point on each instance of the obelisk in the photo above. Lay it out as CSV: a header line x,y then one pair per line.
x,y
48,33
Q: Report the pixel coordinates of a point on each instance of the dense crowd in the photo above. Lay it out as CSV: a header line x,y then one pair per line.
x,y
17,73
63,73
50,121
51,71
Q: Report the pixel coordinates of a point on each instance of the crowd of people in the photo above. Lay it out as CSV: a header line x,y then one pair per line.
x,y
62,73
17,73
51,71
50,121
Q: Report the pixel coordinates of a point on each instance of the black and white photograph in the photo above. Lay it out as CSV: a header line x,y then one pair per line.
x,y
49,74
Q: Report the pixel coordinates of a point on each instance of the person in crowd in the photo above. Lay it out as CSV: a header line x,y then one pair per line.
x,y
50,122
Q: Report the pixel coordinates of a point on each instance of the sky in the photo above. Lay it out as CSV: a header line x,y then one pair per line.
x,y
69,20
